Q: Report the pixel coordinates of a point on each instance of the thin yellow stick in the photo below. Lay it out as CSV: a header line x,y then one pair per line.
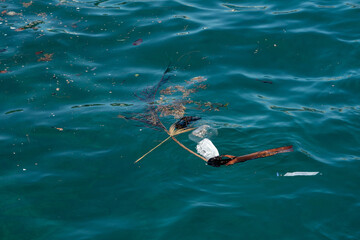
x,y
183,146
153,149
180,144
172,132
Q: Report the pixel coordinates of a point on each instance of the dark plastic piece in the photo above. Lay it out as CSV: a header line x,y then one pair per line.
x,y
218,161
185,121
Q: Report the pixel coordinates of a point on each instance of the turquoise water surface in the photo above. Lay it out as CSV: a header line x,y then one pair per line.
x,y
272,74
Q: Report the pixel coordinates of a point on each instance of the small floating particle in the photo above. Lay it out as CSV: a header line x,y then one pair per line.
x,y
292,174
182,33
269,82
14,111
46,58
121,104
42,14
12,13
32,25
27,4
275,45
136,74
60,129
24,169
137,42
198,79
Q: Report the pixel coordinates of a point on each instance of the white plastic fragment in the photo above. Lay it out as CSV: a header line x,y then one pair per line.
x,y
293,174
204,131
207,149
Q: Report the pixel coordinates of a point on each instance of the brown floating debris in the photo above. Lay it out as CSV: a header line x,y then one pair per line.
x,y
230,160
177,110
27,4
32,25
198,79
46,58
209,106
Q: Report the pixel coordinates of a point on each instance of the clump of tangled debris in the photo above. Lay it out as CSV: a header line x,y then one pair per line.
x,y
166,105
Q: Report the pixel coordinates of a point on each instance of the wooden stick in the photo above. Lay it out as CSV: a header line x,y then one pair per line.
x,y
180,144
260,154
153,149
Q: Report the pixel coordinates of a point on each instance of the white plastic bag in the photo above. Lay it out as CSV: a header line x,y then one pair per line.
x,y
207,149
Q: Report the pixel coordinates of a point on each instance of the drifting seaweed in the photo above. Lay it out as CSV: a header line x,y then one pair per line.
x,y
177,110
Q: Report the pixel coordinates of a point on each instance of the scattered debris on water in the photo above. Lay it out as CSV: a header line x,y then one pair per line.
x,y
33,25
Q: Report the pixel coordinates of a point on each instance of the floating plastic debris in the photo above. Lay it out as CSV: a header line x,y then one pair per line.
x,y
207,149
204,131
185,121
201,131
293,174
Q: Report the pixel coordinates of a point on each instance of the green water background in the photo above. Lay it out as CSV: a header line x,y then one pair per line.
x,y
289,71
